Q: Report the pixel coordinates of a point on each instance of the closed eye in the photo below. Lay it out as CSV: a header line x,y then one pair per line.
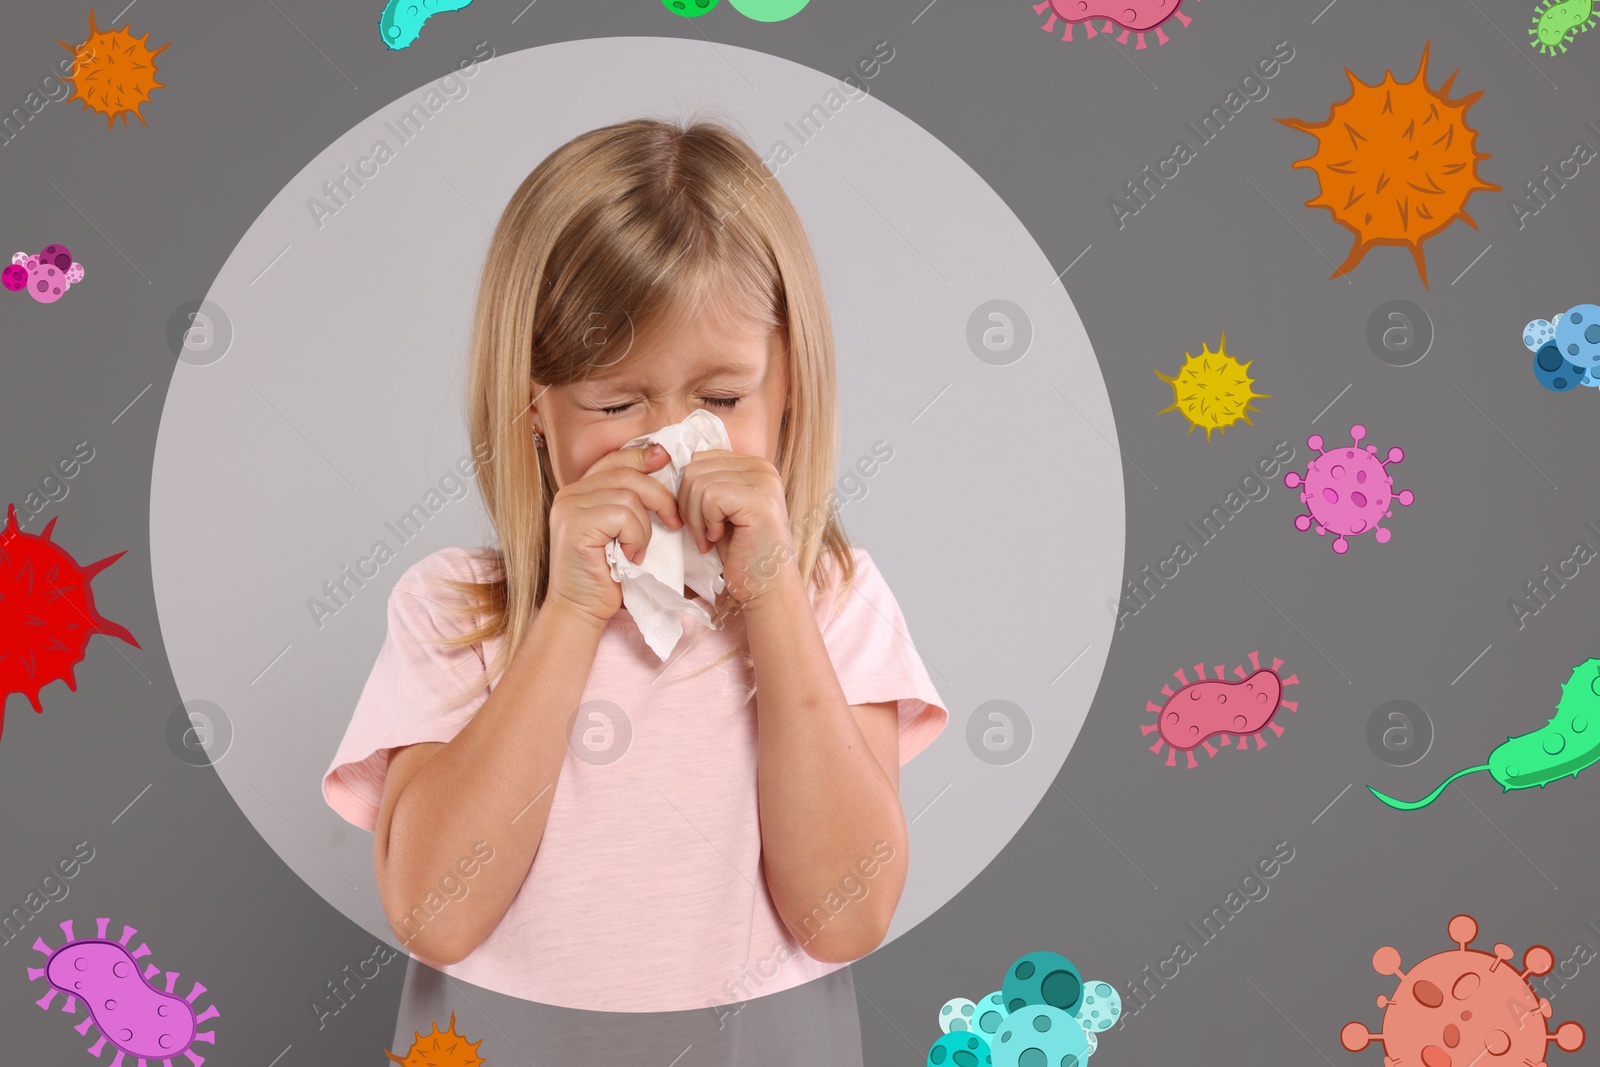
x,y
719,401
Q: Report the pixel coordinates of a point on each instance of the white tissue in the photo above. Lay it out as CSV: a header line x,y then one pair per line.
x,y
652,590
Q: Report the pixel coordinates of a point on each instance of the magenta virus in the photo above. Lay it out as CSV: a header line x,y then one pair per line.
x,y
135,1017
1135,16
1201,709
1348,490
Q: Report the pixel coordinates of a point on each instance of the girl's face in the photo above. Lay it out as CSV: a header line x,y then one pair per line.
x,y
738,372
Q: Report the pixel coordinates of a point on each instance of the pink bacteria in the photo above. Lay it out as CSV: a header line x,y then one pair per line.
x,y
1200,710
14,278
1348,490
1134,15
134,1016
57,256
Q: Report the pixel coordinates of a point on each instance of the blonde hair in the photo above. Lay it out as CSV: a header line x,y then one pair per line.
x,y
631,228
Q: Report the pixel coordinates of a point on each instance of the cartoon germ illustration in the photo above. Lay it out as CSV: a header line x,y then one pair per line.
x,y
1137,16
1456,1005
1348,490
402,20
1395,162
114,72
441,1048
1043,1015
1212,390
1560,748
133,1016
47,612
1566,349
1557,22
1199,710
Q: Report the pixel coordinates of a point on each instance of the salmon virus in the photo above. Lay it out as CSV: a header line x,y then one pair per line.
x,y
1133,16
47,612
1199,710
441,1048
1348,490
1212,390
1396,163
135,1017
1456,1005
1557,22
114,72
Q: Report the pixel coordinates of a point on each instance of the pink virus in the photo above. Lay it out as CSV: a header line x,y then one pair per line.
x,y
56,255
14,278
1348,490
135,1017
1201,709
1135,16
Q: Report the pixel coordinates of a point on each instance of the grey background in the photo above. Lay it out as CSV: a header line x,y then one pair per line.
x,y
1502,471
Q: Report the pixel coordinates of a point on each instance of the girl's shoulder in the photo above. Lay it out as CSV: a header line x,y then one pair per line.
x,y
430,577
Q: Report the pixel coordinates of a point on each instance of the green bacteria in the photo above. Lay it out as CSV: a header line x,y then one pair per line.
x,y
1567,744
1557,22
769,10
689,9
402,20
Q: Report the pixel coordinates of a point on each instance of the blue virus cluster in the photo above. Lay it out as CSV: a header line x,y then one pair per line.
x,y
1043,1015
1566,349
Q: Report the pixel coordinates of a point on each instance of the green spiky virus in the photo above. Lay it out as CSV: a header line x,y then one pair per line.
x,y
1557,22
1567,744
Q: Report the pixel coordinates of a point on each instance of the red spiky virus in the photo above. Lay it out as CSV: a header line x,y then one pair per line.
x,y
47,612
1464,1005
1201,709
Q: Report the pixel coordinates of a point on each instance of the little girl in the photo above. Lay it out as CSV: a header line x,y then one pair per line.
x,y
558,814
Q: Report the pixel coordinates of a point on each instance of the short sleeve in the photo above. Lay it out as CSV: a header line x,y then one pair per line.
x,y
419,690
875,659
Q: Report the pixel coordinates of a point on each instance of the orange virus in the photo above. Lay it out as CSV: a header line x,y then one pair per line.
x,y
1459,1006
1395,162
113,72
442,1048
47,612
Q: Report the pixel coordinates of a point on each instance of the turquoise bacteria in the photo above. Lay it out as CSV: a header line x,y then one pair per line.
x,y
1047,978
1565,745
402,20
960,1048
1043,1015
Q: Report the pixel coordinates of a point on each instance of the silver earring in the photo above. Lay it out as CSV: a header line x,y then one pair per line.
x,y
538,439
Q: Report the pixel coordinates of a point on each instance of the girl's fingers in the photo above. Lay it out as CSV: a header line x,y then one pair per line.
x,y
655,496
620,514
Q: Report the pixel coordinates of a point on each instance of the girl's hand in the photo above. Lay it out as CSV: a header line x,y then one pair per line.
x,y
613,499
736,502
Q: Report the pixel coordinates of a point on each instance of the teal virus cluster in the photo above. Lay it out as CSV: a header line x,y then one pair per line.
x,y
1566,349
1043,1015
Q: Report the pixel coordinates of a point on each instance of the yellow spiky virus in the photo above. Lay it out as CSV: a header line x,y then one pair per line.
x,y
1212,390
442,1048
114,72
1396,162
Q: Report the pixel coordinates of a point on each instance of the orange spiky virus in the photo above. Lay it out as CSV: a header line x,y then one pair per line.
x,y
113,72
1395,162
442,1048
47,612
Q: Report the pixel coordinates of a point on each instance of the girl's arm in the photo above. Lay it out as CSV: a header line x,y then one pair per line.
x,y
827,782
492,783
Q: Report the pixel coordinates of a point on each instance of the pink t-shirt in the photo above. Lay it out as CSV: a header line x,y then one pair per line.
x,y
647,891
